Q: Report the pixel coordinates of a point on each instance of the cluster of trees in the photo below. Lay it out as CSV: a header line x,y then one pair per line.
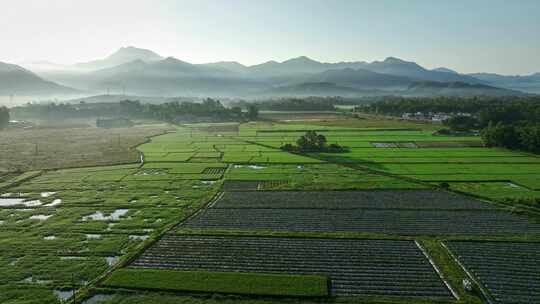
x,y
208,110
522,137
313,142
462,123
4,117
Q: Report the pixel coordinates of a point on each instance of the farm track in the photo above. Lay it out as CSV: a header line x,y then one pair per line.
x,y
509,271
355,267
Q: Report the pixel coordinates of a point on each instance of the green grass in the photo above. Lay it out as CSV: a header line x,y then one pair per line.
x,y
220,282
19,179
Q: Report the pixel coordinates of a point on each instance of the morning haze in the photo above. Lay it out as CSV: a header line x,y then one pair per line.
x,y
269,152
467,36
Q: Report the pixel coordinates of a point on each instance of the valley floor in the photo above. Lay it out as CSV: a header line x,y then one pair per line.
x,y
402,217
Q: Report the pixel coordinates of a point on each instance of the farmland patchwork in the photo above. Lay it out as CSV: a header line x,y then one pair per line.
x,y
222,203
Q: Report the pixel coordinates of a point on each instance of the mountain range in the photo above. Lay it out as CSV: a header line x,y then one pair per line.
x,y
138,71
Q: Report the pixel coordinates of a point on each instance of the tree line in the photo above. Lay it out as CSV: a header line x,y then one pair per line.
x,y
303,104
397,106
172,112
510,122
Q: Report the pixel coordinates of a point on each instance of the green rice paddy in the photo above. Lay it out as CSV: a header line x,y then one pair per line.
x,y
90,220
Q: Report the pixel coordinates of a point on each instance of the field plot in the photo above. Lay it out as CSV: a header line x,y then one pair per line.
x,y
449,144
396,199
509,271
241,185
395,222
523,174
70,147
355,267
414,153
401,213
498,190
398,144
311,177
222,282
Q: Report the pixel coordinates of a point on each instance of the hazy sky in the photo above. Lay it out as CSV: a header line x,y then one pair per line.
x,y
465,35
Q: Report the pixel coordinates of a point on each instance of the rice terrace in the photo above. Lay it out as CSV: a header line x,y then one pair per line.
x,y
398,164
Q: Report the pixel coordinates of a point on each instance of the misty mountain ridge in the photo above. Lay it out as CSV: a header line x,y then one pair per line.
x,y
16,80
445,70
360,79
232,66
121,56
316,89
434,88
144,72
526,83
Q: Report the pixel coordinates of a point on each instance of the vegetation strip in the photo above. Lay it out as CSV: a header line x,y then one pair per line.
x,y
220,282
454,293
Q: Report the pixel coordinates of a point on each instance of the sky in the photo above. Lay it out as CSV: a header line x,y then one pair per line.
x,y
500,36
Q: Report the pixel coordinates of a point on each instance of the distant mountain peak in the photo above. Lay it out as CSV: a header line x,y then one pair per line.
x,y
394,60
130,53
137,52
173,60
131,48
301,59
121,56
228,62
445,70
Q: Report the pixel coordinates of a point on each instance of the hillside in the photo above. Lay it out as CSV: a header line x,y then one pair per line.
x,y
432,88
361,79
528,83
15,80
317,89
